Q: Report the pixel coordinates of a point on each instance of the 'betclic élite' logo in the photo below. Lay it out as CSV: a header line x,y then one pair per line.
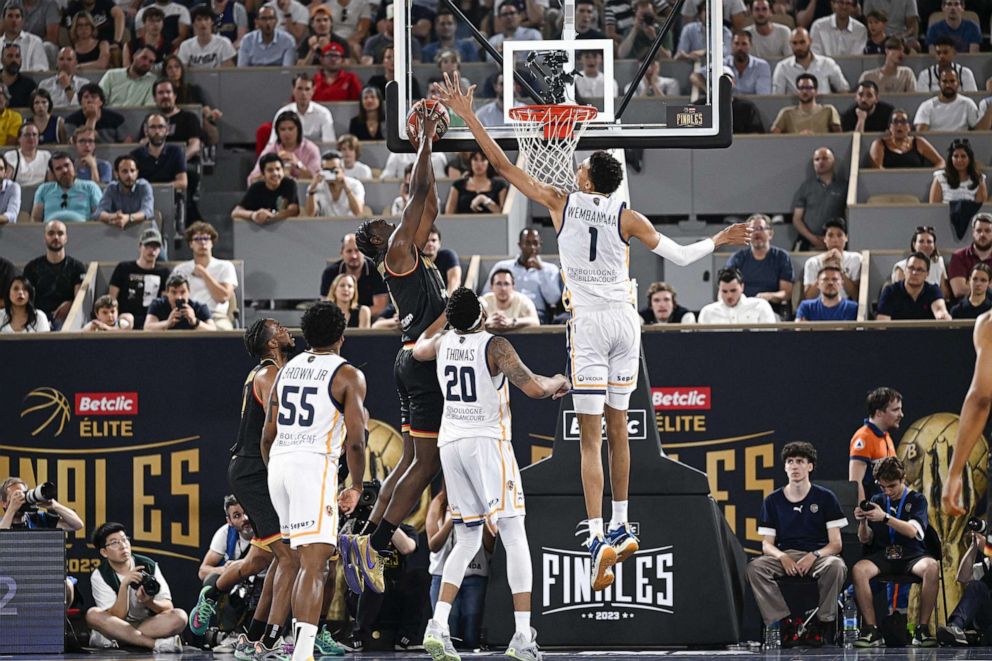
x,y
681,398
106,403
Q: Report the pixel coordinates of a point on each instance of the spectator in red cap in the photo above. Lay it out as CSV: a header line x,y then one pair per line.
x,y
333,82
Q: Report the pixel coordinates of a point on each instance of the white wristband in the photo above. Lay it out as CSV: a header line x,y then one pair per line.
x,y
683,255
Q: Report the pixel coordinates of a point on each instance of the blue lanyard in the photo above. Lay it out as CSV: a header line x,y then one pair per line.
x,y
888,506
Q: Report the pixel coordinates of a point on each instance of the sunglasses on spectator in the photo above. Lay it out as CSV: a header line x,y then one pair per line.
x,y
899,121
925,228
65,200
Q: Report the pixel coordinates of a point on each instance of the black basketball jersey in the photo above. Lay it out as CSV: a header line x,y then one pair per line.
x,y
419,296
252,418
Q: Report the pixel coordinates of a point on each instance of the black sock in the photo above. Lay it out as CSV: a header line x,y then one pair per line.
x,y
256,630
321,623
272,632
213,594
383,535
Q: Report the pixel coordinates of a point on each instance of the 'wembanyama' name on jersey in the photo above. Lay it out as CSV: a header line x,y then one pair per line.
x,y
418,295
595,260
476,404
252,417
310,420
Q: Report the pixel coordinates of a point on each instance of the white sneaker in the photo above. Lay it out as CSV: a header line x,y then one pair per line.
x,y
523,649
100,641
227,645
171,645
437,642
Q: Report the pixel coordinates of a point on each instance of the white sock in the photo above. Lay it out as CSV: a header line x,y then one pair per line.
x,y
305,636
522,621
619,514
595,528
441,612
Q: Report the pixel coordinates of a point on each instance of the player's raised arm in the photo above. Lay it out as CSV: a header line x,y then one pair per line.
x,y
461,104
503,358
425,349
974,415
349,389
413,229
635,224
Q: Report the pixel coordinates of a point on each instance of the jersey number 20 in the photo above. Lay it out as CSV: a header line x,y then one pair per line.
x,y
288,413
461,384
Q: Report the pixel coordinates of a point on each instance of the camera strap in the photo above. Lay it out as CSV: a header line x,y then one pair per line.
x,y
888,507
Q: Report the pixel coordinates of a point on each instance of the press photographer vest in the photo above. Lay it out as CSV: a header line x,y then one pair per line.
x,y
140,561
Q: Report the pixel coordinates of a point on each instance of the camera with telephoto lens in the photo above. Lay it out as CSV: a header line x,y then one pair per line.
x,y
648,19
149,583
866,505
40,494
980,526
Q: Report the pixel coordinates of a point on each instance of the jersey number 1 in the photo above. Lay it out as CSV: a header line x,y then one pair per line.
x,y
461,384
593,237
288,414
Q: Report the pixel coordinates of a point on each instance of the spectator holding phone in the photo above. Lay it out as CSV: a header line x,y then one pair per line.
x,y
331,192
176,311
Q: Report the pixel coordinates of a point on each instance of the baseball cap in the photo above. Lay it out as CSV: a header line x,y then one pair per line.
x,y
332,47
320,9
150,235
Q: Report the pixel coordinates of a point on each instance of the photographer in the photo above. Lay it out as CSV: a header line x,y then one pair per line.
x,y
133,602
974,611
21,508
893,523
331,193
176,311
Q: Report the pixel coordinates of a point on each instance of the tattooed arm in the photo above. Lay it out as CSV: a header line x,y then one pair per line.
x,y
269,428
503,358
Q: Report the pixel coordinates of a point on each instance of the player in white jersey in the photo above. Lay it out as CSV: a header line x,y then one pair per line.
x,y
604,333
316,411
474,369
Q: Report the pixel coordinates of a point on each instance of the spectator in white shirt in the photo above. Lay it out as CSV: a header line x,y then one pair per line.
x,y
318,124
33,57
351,150
839,34
211,281
64,86
837,255
205,49
804,60
509,19
945,52
770,39
28,164
592,83
654,84
948,111
396,163
734,307
292,17
177,21
332,192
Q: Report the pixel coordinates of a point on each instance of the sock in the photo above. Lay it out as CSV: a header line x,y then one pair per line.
x,y
521,620
256,630
322,624
595,528
441,612
382,536
305,636
619,514
272,633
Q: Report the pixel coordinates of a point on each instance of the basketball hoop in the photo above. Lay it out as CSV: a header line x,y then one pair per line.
x,y
548,135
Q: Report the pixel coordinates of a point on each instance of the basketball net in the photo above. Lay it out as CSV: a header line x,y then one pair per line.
x,y
547,136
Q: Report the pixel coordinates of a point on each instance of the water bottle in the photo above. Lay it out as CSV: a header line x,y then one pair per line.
x,y
850,619
773,636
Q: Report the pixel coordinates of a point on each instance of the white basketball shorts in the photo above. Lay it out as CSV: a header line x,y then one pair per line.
x,y
304,488
483,481
604,353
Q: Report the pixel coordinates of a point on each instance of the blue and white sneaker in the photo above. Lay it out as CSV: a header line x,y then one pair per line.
x,y
623,542
352,575
604,556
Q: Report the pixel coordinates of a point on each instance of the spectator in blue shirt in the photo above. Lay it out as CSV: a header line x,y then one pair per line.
x,y
88,166
128,199
753,74
914,297
800,526
767,269
966,34
828,306
267,46
67,198
894,528
446,30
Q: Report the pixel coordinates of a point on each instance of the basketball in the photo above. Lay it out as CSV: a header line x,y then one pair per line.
x,y
413,119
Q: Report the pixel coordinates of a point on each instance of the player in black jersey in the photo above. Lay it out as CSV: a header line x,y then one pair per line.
x,y
420,296
270,343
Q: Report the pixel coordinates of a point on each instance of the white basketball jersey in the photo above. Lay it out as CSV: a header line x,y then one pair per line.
x,y
309,418
594,256
476,404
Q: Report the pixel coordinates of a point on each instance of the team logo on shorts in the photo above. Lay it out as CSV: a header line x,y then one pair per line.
x,y
509,485
330,510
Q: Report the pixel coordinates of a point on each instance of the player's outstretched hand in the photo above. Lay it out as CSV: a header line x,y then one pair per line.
x,y
738,234
452,96
429,119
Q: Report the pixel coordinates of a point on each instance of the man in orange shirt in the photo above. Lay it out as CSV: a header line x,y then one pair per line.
x,y
872,442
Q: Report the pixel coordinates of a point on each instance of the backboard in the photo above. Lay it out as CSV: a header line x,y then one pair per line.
x,y
652,102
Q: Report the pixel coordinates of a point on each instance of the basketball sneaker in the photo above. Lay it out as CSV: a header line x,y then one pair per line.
x,y
204,610
243,648
170,645
437,642
523,649
623,542
371,563
349,563
604,556
325,645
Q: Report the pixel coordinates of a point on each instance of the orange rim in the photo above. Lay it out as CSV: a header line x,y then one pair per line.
x,y
558,120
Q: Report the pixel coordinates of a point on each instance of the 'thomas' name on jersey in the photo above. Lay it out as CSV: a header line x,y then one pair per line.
x,y
309,418
595,258
476,404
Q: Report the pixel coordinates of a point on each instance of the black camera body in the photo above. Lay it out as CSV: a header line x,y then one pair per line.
x,y
866,505
149,583
975,524
648,19
180,303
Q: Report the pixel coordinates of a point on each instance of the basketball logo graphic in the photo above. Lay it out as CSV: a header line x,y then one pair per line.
x,y
50,407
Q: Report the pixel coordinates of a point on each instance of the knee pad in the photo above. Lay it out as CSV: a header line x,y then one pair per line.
x,y
519,573
468,541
